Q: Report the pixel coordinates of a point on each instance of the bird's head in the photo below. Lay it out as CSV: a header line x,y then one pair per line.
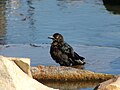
x,y
57,37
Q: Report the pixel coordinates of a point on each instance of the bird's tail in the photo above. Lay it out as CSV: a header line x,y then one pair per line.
x,y
79,59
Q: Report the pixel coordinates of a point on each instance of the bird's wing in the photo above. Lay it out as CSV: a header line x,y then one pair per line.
x,y
73,57
67,49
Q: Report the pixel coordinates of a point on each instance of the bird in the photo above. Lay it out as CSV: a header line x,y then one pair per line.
x,y
62,53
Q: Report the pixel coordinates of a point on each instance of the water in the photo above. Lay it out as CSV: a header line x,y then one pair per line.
x,y
92,28
88,22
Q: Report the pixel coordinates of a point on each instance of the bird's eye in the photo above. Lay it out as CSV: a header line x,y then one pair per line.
x,y
57,37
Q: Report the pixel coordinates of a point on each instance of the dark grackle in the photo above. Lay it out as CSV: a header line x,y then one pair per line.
x,y
63,53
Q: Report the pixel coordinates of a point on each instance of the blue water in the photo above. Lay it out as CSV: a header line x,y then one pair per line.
x,y
85,22
92,28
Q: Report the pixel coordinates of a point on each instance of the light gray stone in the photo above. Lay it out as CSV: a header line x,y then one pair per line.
x,y
13,78
112,84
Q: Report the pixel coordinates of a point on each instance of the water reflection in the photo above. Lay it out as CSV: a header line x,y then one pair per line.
x,y
20,13
31,19
71,85
31,14
11,7
13,4
2,22
66,3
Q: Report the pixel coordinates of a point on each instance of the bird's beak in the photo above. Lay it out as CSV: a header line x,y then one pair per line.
x,y
51,37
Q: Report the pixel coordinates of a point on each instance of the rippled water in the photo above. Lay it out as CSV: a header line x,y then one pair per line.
x,y
91,27
85,22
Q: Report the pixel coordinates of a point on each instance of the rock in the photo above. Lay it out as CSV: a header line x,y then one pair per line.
x,y
115,9
23,64
112,6
112,84
62,73
12,76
